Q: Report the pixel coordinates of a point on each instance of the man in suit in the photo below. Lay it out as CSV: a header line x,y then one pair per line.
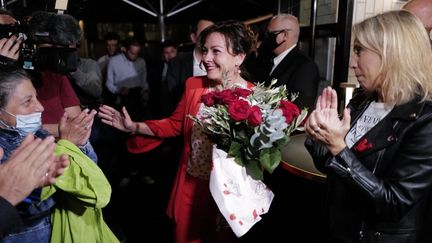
x,y
183,66
298,202
290,67
157,73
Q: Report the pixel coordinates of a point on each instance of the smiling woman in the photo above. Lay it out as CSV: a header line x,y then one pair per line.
x,y
191,205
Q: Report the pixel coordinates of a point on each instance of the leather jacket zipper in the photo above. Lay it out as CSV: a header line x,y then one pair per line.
x,y
378,160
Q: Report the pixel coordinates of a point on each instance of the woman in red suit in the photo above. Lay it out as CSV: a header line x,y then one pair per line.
x,y
224,47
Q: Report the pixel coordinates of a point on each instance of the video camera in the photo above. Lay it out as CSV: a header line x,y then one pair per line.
x,y
28,51
56,32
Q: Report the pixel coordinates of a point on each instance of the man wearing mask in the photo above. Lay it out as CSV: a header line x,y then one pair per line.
x,y
290,67
293,194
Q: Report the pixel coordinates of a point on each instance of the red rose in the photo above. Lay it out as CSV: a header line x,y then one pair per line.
x,y
239,110
208,99
227,97
217,97
242,92
255,116
363,145
289,110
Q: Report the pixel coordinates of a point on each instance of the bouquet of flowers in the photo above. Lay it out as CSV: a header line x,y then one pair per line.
x,y
251,125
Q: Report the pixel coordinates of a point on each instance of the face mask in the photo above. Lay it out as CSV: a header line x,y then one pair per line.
x,y
269,43
58,60
27,123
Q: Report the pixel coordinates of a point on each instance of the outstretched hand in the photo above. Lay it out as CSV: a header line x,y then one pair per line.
x,y
114,118
324,124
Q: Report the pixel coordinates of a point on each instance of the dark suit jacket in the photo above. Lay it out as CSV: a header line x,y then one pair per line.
x,y
180,68
300,74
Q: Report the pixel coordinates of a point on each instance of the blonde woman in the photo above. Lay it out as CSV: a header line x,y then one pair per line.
x,y
378,156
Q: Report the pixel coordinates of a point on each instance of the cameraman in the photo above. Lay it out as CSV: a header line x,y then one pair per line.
x,y
9,45
55,36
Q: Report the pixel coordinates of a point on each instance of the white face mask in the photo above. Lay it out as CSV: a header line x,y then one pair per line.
x,y
28,123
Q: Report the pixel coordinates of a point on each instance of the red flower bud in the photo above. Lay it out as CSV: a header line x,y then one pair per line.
x,y
255,116
208,99
289,110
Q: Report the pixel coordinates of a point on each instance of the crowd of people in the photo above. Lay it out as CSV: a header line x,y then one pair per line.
x,y
74,129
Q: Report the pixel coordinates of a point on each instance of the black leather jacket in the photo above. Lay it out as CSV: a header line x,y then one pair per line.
x,y
380,189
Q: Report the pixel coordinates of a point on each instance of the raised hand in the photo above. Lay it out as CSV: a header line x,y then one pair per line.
x,y
9,47
324,124
114,118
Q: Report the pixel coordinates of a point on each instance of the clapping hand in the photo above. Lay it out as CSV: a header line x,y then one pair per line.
x,y
77,130
324,124
32,165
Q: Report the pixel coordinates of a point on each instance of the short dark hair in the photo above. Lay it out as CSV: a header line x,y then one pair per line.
x,y
112,36
168,43
132,41
237,36
5,12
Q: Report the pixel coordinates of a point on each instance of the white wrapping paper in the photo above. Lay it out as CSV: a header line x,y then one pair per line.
x,y
240,198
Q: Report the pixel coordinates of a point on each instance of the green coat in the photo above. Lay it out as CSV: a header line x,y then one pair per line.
x,y
82,192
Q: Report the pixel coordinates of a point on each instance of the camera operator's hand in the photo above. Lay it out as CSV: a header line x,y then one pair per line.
x,y
9,47
7,19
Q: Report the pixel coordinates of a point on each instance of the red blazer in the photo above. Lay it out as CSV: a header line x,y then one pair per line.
x,y
187,190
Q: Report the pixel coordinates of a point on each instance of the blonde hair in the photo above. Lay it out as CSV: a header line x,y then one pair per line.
x,y
401,41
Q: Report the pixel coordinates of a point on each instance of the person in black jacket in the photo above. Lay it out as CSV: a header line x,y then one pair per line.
x,y
378,157
32,165
291,204
183,66
290,67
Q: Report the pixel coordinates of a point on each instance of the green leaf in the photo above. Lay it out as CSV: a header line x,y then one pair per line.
x,y
235,151
254,170
283,141
270,158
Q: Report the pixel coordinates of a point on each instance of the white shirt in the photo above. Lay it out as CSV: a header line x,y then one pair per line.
x,y
123,72
280,57
370,117
197,71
